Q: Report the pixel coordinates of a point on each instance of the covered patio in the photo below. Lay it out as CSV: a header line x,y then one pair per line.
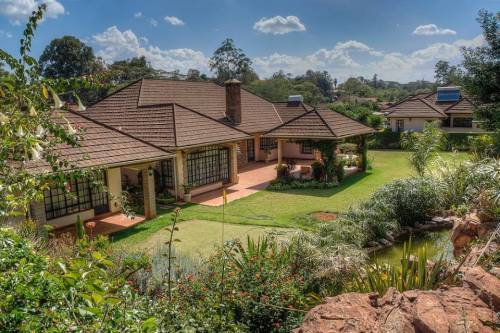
x,y
253,178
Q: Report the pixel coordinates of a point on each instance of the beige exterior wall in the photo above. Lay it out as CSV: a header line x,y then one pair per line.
x,y
411,124
292,150
71,219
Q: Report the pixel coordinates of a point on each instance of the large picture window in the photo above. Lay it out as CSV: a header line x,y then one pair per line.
x,y
208,166
167,174
462,122
268,143
80,195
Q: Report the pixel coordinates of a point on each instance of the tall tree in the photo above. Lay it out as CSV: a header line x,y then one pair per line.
x,y
230,62
445,73
481,77
124,71
3,72
322,80
68,57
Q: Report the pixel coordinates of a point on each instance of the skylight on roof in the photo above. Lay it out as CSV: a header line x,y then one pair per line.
x,y
448,94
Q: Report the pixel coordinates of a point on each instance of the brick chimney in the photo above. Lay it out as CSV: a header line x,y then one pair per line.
x,y
233,100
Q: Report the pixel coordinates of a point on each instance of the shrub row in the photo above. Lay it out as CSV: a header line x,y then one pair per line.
x,y
279,185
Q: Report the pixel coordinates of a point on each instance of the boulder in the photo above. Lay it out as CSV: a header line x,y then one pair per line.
x,y
469,308
485,285
467,229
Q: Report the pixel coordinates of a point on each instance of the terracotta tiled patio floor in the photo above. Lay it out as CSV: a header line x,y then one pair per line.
x,y
252,178
104,225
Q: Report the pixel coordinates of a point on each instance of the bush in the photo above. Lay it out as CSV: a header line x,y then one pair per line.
x,y
318,170
339,170
299,184
409,201
385,139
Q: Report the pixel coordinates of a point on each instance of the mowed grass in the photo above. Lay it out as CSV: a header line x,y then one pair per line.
x,y
282,209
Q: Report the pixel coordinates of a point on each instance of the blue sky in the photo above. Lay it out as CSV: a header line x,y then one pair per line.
x,y
397,39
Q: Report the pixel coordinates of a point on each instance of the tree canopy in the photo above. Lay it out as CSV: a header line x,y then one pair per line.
x,y
230,62
481,71
124,71
68,57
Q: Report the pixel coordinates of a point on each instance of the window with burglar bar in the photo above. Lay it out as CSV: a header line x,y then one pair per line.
x,y
80,195
268,143
462,122
208,166
306,148
167,174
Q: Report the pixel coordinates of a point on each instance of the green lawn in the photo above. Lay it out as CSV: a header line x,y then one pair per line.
x,y
284,209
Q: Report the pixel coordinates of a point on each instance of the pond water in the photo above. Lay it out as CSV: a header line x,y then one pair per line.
x,y
437,243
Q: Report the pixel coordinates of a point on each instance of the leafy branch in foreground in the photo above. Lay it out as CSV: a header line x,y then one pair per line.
x,y
33,123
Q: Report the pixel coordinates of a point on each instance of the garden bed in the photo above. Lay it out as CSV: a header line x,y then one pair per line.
x,y
299,184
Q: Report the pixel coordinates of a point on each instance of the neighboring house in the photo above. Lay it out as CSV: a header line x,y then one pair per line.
x,y
448,105
161,135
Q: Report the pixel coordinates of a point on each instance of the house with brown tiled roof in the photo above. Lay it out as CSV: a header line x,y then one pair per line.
x,y
164,136
449,106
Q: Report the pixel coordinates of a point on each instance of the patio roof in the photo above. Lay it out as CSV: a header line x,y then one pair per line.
x,y
320,124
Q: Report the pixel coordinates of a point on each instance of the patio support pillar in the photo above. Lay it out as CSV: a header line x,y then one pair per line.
x,y
233,163
114,188
280,152
256,147
179,173
148,188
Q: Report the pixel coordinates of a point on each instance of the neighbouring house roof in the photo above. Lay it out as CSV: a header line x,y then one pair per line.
x,y
100,146
425,105
319,124
167,124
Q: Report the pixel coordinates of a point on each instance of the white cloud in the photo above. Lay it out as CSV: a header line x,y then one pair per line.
x,y
138,15
279,25
432,29
117,45
18,10
153,22
6,34
174,20
340,62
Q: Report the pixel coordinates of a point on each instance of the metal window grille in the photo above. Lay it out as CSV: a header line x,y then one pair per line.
x,y
268,143
306,148
167,173
462,122
80,196
208,166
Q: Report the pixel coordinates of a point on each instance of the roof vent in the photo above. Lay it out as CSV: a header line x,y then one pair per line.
x,y
448,94
295,98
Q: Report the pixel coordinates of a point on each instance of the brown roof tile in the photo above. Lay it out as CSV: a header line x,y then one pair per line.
x,y
101,146
167,125
414,108
258,115
320,124
289,110
464,106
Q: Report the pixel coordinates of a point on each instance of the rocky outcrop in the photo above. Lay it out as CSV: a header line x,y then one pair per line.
x,y
469,308
467,229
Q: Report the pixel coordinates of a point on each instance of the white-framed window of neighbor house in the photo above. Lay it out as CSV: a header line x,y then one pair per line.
x,y
400,125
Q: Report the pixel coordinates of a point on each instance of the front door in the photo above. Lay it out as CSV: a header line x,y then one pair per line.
x,y
250,150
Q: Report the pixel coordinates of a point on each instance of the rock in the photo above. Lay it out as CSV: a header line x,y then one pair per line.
x,y
449,309
486,285
390,237
384,242
495,271
467,229
438,219
429,314
373,244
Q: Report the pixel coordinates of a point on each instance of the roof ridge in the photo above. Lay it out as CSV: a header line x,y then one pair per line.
x,y
286,122
114,92
407,98
208,117
140,93
117,130
277,113
431,106
324,122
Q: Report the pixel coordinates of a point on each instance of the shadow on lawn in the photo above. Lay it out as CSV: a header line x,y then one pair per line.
x,y
344,185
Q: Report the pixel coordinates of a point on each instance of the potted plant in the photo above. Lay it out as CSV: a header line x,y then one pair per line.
x,y
187,192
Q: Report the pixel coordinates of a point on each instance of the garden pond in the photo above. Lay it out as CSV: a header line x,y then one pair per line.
x,y
437,243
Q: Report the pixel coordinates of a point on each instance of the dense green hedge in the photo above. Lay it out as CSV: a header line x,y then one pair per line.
x,y
387,139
